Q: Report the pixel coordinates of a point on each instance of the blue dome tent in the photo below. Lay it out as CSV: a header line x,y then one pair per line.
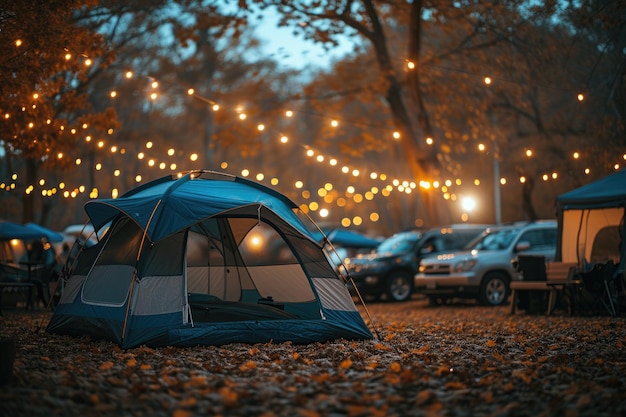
x,y
204,259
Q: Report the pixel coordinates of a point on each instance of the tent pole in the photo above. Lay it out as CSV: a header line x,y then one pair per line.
x,y
132,283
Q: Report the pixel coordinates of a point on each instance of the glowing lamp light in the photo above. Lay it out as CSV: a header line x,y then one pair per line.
x,y
215,107
18,42
429,141
320,158
289,113
324,212
68,57
98,166
60,155
154,84
113,94
151,162
245,172
334,123
310,152
374,217
503,181
224,165
242,116
616,167
138,178
522,179
88,62
580,97
357,220
410,65
193,157
117,172
345,169
260,176
153,96
261,127
284,139
373,175
162,165
171,151
396,135
576,155
299,184
129,74
114,193
529,152
355,172
487,80
333,162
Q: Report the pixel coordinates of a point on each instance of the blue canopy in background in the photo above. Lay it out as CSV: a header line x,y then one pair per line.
x,y
51,235
10,230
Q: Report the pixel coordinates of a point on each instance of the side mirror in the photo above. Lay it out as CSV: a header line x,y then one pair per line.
x,y
522,246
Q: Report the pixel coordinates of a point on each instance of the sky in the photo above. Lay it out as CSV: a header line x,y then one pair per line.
x,y
294,52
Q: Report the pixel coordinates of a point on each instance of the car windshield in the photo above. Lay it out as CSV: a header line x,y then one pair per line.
x,y
398,243
496,240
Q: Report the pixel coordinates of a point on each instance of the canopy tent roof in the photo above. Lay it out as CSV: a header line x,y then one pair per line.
x,y
170,204
10,230
609,191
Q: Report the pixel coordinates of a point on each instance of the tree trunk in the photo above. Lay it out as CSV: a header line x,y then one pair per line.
x,y
28,199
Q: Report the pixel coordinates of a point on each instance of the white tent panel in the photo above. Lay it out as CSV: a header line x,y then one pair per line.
x,y
271,281
580,228
333,294
159,295
108,285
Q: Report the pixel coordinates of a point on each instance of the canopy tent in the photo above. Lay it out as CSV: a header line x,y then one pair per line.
x,y
51,235
10,230
204,259
591,222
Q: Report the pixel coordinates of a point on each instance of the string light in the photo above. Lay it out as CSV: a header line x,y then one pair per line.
x,y
283,139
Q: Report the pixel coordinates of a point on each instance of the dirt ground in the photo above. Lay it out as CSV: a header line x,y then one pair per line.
x,y
453,360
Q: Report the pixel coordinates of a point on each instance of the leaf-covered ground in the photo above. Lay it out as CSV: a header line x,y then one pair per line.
x,y
459,360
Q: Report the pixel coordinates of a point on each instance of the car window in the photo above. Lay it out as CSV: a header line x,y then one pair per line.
x,y
496,240
399,243
539,237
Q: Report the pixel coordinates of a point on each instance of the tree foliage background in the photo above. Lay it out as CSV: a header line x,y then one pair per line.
x,y
113,105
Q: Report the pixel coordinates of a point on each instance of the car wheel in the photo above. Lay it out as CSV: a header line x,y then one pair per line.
x,y
494,289
399,286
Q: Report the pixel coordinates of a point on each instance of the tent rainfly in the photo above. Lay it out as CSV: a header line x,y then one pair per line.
x,y
204,259
591,222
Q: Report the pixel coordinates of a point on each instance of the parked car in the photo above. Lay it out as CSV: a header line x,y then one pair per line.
x,y
389,270
484,271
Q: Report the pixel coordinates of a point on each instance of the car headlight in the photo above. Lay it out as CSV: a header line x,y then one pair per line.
x,y
465,265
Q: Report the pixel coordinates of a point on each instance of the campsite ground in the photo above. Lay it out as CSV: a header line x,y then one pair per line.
x,y
459,360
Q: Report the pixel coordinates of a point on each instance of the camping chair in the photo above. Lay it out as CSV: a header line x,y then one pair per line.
x,y
599,290
15,279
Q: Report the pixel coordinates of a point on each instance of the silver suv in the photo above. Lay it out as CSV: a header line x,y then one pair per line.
x,y
485,269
